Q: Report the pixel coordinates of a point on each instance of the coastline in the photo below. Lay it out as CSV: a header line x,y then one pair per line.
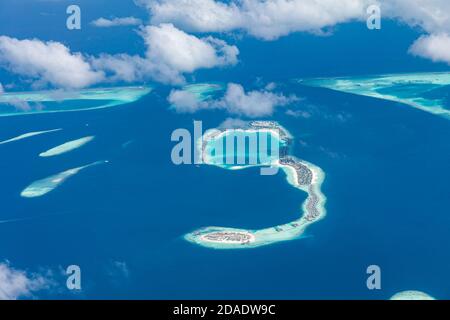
x,y
370,85
66,147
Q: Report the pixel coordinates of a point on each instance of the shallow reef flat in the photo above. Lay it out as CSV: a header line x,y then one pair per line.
x,y
63,101
204,91
66,147
41,187
412,295
28,135
300,174
425,91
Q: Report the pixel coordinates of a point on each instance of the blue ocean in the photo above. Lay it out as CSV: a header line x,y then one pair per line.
x,y
386,165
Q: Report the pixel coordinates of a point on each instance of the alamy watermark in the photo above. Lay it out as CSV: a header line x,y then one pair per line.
x,y
230,147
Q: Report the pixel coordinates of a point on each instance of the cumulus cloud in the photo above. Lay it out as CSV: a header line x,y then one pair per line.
x,y
434,47
236,101
170,53
47,62
196,15
271,19
19,104
23,105
114,22
121,67
429,15
16,283
119,269
267,19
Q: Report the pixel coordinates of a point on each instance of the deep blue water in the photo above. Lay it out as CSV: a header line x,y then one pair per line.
x,y
387,169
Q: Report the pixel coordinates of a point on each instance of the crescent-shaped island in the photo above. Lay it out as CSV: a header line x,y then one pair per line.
x,y
299,173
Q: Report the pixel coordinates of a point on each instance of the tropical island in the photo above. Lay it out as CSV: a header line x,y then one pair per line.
x,y
412,295
299,173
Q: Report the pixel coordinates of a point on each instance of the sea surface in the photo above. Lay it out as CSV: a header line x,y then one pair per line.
x,y
387,172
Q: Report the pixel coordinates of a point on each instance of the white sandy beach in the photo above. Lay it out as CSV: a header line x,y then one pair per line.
x,y
66,147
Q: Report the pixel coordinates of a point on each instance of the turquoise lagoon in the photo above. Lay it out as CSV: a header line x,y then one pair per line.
x,y
261,148
425,91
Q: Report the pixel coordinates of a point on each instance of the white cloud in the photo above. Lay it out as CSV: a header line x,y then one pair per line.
x,y
196,15
270,86
47,63
16,283
126,21
121,66
298,113
434,47
1,88
267,19
186,53
430,15
170,53
270,19
236,101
